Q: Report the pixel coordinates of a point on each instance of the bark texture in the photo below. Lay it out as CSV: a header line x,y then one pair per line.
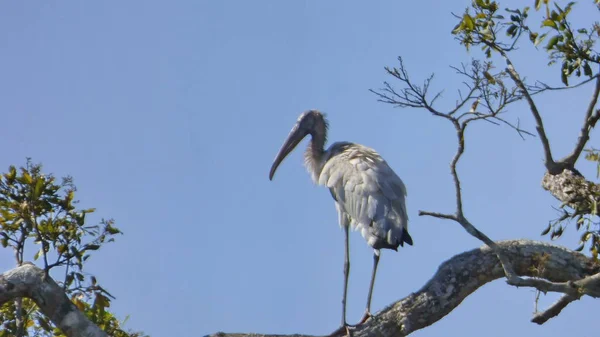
x,y
460,276
572,190
31,281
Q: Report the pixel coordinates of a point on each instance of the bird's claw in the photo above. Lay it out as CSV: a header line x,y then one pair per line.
x,y
365,317
342,331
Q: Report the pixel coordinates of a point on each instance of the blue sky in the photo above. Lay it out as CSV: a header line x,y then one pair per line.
x,y
168,116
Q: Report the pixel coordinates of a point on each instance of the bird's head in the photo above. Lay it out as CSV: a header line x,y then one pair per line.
x,y
310,122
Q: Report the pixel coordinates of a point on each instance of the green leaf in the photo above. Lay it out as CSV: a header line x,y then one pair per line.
x,y
101,302
549,23
26,178
92,247
489,77
547,230
39,185
585,236
11,175
112,230
587,70
38,254
563,74
556,233
512,30
533,36
69,197
469,23
553,41
538,4
539,39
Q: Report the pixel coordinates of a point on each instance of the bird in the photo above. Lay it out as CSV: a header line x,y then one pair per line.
x,y
369,196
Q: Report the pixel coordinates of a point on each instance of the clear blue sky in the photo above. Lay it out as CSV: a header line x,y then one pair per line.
x,y
168,116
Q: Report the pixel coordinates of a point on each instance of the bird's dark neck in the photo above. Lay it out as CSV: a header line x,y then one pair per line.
x,y
314,156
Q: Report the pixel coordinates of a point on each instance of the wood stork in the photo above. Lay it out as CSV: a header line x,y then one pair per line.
x,y
368,195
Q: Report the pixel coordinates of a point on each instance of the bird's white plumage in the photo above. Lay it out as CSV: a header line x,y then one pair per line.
x,y
369,196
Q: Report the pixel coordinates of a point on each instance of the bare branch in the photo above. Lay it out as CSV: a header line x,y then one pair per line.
x,y
588,124
412,95
496,97
554,310
472,88
517,128
32,282
541,87
459,277
460,134
575,289
549,161
438,215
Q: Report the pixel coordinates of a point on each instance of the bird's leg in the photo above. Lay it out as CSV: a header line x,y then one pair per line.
x,y
346,273
345,328
367,314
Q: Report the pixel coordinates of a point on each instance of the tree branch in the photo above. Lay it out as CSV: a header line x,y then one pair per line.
x,y
554,310
484,86
540,87
549,161
31,281
462,275
574,191
588,124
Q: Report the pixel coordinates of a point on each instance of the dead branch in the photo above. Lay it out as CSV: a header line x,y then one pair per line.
x,y
483,86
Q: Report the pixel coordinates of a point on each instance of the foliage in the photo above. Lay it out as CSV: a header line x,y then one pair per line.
x,y
483,25
500,32
39,218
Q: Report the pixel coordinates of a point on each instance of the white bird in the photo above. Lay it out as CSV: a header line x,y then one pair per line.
x,y
368,195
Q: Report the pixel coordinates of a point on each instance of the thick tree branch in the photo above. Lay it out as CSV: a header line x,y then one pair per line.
x,y
31,281
463,274
574,191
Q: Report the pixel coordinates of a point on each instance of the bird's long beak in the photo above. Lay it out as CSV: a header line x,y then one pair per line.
x,y
295,136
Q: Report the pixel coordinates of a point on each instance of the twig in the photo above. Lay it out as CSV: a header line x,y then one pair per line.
x,y
415,96
540,87
553,310
438,215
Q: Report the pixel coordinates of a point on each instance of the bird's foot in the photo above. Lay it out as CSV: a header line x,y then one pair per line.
x,y
365,317
342,331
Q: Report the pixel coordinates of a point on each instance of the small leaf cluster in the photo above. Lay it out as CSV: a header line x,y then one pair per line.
x,y
39,219
572,47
